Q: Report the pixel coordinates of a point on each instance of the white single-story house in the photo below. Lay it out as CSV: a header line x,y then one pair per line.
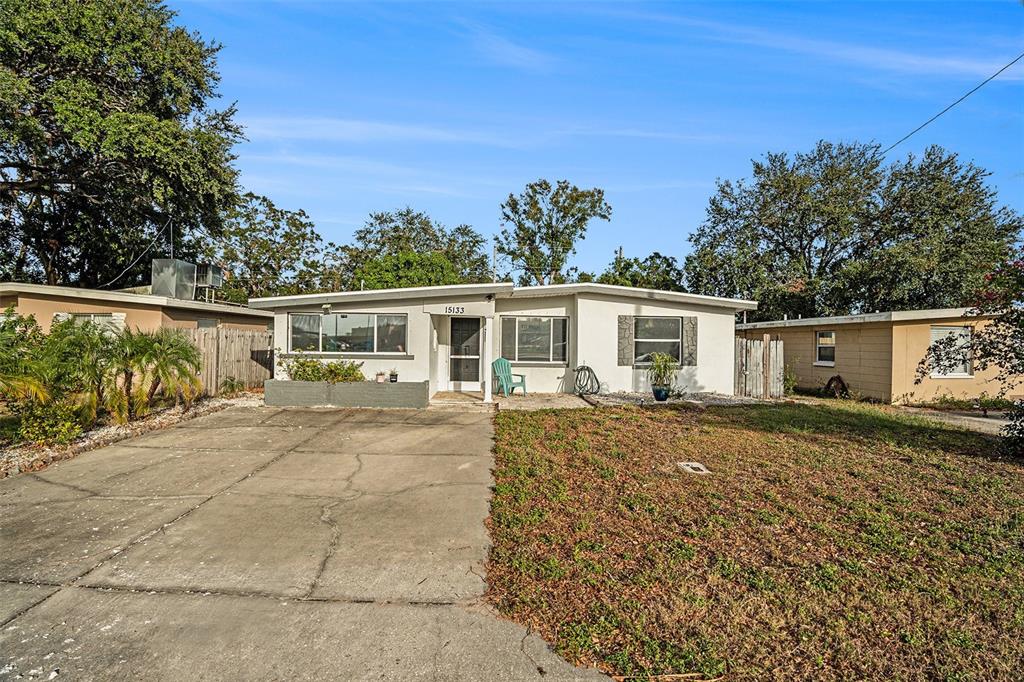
x,y
449,335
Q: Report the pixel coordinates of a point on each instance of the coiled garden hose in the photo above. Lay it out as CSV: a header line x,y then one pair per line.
x,y
586,381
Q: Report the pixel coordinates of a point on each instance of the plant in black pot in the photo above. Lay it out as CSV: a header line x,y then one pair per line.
x,y
661,374
393,376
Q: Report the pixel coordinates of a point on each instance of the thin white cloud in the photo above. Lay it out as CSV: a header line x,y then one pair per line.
x,y
533,134
881,59
500,50
330,129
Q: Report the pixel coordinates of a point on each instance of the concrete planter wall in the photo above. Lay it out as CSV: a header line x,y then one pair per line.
x,y
355,394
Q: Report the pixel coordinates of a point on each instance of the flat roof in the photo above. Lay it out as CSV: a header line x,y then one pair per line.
x,y
633,292
890,316
490,288
499,290
126,297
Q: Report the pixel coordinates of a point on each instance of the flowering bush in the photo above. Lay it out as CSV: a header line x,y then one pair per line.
x,y
998,344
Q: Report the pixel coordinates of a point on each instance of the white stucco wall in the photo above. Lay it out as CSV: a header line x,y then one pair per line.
x,y
419,363
540,377
597,338
593,341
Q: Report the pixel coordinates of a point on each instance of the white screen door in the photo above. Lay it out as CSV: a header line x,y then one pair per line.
x,y
464,358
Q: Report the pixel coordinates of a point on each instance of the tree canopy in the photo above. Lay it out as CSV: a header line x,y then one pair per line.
x,y
836,231
107,135
266,251
407,269
542,225
653,272
389,236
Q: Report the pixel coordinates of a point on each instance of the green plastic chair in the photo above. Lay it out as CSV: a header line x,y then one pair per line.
x,y
503,373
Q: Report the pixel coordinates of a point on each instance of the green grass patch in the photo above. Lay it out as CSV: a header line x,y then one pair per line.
x,y
878,545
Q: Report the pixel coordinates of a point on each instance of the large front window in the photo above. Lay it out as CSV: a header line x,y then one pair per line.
x,y
656,335
348,332
535,339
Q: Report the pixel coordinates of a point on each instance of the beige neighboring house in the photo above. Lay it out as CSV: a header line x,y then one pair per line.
x,y
124,309
878,353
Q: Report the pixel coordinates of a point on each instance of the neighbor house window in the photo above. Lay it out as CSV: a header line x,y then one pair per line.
x,y
825,348
535,339
348,332
656,335
108,321
962,344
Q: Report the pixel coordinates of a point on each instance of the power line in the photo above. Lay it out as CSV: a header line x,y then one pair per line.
x,y
974,90
158,235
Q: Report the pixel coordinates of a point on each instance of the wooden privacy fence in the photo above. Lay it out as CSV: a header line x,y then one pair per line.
x,y
760,368
242,354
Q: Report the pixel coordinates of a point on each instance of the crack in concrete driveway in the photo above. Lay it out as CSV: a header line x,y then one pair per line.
x,y
265,544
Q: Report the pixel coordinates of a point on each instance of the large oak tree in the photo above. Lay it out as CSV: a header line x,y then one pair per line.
x,y
108,139
837,231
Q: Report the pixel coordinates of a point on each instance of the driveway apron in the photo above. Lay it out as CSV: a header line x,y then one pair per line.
x,y
263,543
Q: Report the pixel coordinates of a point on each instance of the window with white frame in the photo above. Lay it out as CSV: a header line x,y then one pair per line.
x,y
825,348
656,335
107,321
961,344
348,332
535,339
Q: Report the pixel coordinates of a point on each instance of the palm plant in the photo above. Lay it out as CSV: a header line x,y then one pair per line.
x,y
172,362
126,362
18,380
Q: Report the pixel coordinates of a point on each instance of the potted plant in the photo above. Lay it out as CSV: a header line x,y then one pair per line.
x,y
381,377
394,375
660,374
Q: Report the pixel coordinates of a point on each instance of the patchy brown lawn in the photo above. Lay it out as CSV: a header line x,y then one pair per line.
x,y
829,542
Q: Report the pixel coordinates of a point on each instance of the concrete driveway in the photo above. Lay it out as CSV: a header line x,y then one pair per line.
x,y
263,543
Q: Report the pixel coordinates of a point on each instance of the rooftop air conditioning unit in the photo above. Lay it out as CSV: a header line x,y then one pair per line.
x,y
174,279
209,275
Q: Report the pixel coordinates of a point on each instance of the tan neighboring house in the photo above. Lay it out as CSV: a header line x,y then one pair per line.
x,y
124,309
878,353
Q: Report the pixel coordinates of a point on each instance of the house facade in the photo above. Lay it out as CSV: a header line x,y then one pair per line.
x,y
449,336
878,354
123,309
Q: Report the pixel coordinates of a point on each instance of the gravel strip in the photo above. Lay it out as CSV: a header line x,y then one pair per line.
x,y
21,458
702,399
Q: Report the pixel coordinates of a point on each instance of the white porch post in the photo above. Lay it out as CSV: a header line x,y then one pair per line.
x,y
488,349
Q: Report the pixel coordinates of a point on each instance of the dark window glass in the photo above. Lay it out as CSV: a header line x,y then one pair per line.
x,y
508,338
645,349
348,333
648,328
560,340
534,339
305,332
391,333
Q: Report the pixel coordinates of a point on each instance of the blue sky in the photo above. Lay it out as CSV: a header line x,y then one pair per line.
x,y
353,108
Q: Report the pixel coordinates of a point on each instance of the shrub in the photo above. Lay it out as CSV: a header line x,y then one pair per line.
x,y
339,371
231,386
55,422
789,381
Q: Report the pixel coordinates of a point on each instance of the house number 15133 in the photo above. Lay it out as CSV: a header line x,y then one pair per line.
x,y
454,309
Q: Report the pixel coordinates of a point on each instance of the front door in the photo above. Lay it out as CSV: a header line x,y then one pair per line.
x,y
464,360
